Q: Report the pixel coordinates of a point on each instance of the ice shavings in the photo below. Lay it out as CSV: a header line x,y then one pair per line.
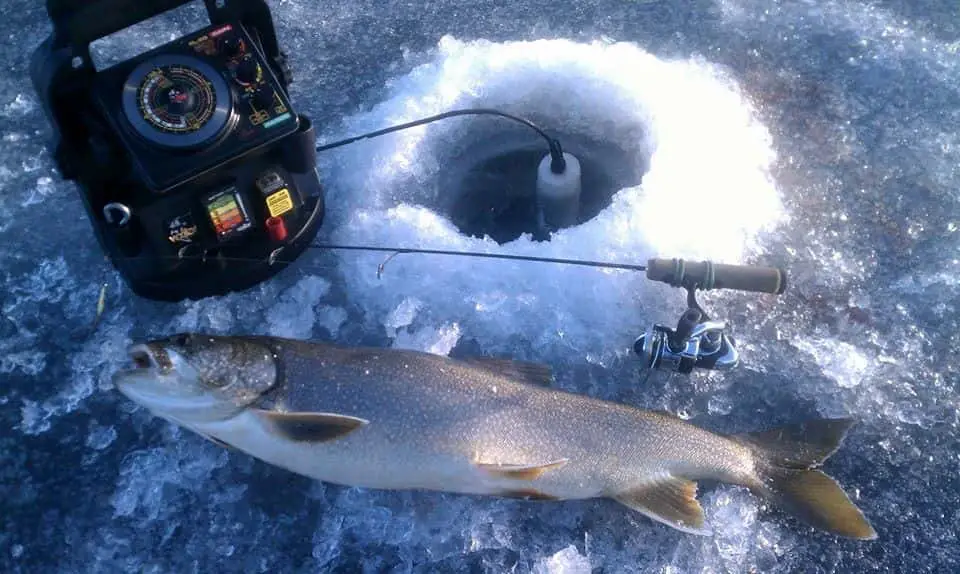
x,y
151,479
101,437
291,308
90,369
566,561
48,295
20,105
26,362
293,315
331,318
840,361
745,538
211,314
439,341
402,315
40,191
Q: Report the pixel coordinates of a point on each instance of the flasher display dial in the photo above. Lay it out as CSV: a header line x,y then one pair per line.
x,y
177,101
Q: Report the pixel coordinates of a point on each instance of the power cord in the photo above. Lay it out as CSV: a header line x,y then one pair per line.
x,y
558,163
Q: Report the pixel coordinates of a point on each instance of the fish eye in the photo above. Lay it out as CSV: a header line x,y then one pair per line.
x,y
182,340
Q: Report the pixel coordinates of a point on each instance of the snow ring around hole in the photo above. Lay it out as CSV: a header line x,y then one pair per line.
x,y
706,191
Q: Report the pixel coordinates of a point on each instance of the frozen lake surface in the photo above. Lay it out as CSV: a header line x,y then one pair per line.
x,y
819,136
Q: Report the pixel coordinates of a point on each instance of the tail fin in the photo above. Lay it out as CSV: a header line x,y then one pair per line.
x,y
786,458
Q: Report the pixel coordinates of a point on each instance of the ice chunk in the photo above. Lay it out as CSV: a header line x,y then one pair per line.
x,y
439,341
148,474
20,105
402,315
566,561
720,404
101,437
26,362
841,361
293,315
331,318
32,418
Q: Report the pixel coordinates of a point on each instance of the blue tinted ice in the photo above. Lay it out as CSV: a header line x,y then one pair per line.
x,y
817,136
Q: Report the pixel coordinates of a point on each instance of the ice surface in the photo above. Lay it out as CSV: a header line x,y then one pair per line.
x,y
817,136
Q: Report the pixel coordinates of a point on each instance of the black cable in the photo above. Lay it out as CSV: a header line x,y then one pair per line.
x,y
557,162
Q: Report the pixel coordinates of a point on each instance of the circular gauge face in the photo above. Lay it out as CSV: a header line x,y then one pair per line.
x,y
177,101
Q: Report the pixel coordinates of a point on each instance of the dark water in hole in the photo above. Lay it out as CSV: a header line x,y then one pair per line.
x,y
494,187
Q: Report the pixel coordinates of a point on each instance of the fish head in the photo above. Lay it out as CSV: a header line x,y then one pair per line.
x,y
194,378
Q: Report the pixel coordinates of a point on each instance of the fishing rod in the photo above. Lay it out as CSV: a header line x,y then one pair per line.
x,y
697,341
394,251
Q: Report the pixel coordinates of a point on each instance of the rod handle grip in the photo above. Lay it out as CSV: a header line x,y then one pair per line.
x,y
707,275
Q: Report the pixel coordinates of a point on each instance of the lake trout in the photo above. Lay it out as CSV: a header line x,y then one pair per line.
x,y
403,419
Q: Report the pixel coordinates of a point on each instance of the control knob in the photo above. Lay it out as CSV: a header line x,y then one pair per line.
x,y
231,46
248,71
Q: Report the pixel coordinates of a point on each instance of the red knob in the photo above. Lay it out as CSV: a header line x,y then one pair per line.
x,y
276,228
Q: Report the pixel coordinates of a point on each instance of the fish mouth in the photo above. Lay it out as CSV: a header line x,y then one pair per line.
x,y
150,378
147,362
146,357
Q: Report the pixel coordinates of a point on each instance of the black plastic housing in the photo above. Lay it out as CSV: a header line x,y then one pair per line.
x,y
167,201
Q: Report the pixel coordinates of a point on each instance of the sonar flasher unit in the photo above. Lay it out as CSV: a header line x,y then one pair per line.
x,y
197,173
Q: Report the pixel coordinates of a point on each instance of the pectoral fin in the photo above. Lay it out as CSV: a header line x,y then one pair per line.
x,y
672,501
527,494
310,427
530,373
217,441
520,471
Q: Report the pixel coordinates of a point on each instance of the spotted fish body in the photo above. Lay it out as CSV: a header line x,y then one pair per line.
x,y
400,419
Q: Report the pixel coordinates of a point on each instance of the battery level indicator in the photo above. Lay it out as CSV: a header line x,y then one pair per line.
x,y
227,213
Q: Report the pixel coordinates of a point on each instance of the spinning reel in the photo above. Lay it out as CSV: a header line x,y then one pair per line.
x,y
698,341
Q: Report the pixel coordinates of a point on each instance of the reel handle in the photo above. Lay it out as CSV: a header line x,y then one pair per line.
x,y
707,275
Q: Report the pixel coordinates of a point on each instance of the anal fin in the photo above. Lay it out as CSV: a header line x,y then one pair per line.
x,y
672,501
310,427
520,471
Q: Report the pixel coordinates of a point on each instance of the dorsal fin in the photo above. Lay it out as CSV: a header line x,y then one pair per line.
x,y
672,501
310,427
523,371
